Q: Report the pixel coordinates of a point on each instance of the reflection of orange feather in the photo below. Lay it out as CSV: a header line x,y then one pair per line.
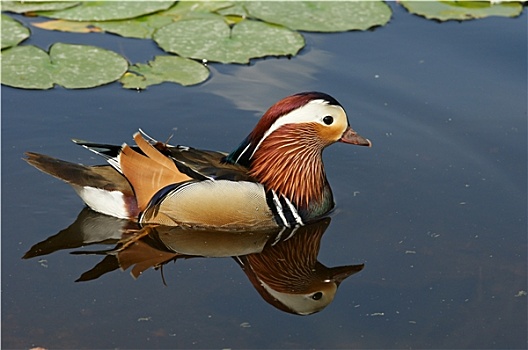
x,y
142,256
148,174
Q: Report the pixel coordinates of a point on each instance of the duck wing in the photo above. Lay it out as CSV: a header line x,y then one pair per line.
x,y
197,164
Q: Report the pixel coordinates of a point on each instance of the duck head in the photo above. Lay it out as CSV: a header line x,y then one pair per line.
x,y
284,150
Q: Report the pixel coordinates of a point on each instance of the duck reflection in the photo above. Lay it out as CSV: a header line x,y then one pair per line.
x,y
281,264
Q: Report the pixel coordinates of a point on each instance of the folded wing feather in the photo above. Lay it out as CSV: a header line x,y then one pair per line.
x,y
148,173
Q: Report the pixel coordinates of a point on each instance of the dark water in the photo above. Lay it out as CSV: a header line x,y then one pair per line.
x,y
436,210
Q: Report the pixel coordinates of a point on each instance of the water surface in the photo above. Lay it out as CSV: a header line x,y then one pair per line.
x,y
436,209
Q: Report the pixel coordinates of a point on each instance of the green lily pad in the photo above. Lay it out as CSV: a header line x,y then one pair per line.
x,y
322,16
13,32
108,10
32,6
462,10
83,66
237,9
71,66
195,9
142,27
213,40
26,67
165,69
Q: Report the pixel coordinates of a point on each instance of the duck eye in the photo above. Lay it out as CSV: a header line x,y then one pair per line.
x,y
328,120
317,295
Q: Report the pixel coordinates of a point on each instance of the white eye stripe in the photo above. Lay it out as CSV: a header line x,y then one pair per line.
x,y
313,111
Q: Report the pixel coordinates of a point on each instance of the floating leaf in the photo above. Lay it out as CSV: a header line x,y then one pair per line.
x,y
322,16
462,10
165,69
26,67
186,10
196,9
13,32
108,10
71,66
213,40
67,26
234,10
32,6
83,66
141,27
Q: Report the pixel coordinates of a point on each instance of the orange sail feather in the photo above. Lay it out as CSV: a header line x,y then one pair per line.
x,y
148,174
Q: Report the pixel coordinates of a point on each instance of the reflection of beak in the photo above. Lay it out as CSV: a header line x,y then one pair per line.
x,y
352,137
340,273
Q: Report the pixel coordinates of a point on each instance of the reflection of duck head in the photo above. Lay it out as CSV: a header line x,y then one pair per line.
x,y
288,275
281,263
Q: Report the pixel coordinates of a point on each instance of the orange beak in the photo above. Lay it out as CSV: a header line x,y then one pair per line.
x,y
352,137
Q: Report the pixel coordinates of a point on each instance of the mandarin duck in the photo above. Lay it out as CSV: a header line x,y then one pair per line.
x,y
274,178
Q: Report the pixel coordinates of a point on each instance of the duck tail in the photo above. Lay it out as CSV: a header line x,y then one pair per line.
x,y
102,188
